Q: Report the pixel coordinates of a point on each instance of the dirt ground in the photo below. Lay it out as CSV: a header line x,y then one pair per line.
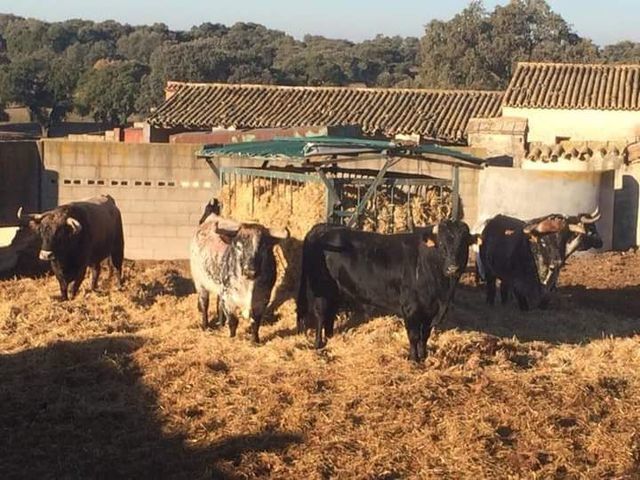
x,y
125,384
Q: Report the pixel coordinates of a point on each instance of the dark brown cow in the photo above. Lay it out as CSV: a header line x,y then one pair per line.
x,y
79,235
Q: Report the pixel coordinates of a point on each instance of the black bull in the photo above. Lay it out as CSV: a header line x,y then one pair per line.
x,y
409,275
79,235
527,256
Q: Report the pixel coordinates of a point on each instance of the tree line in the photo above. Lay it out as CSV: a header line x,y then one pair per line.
x,y
113,71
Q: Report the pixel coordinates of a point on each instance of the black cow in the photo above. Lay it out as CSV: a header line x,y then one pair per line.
x,y
408,275
527,256
79,235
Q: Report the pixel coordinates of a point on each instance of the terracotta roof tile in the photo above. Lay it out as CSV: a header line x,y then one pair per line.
x,y
436,114
574,86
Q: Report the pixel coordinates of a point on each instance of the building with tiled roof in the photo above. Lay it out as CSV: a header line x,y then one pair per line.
x,y
578,102
439,115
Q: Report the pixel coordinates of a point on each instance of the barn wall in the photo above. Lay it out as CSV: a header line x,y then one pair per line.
x,y
627,200
545,125
529,194
20,167
160,189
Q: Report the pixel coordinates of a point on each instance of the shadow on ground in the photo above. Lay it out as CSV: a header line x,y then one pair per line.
x,y
575,315
80,410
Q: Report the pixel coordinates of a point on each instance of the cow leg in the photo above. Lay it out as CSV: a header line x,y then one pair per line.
x,y
255,328
64,287
222,316
319,310
504,292
491,288
117,258
77,281
62,280
330,313
203,307
413,328
95,274
233,324
425,332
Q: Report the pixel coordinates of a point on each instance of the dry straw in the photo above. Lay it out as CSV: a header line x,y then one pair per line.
x,y
126,384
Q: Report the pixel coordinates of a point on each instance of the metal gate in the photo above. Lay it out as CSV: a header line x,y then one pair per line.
x,y
375,200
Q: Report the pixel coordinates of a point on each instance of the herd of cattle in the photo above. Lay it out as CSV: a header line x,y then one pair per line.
x,y
410,275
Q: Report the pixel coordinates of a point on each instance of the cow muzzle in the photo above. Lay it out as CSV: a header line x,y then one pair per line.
x,y
46,255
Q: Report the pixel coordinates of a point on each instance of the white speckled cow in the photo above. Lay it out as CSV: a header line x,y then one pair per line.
x,y
235,262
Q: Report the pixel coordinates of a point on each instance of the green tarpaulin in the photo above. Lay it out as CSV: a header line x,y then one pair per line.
x,y
302,149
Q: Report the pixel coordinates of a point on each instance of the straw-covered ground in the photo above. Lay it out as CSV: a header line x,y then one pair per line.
x,y
125,384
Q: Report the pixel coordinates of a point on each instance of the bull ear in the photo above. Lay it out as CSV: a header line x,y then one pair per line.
x,y
279,233
76,228
430,236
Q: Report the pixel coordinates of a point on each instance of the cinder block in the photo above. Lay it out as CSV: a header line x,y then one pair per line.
x,y
145,206
186,231
178,206
83,171
138,253
132,218
133,242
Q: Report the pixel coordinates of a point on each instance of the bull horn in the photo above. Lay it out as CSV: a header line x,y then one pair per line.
x,y
227,226
593,217
74,224
435,229
577,228
29,216
279,233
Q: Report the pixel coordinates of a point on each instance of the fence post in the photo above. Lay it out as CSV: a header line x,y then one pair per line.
x,y
455,207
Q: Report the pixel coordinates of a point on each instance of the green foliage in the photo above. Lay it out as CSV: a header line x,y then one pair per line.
x,y
622,52
112,71
42,83
108,92
478,49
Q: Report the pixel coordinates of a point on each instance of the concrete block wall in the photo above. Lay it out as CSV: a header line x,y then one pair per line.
x,y
160,189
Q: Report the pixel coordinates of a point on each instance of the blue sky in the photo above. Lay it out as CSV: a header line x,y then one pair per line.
x,y
604,21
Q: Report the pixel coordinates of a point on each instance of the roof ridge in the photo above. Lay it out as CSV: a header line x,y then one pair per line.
x,y
329,87
571,64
